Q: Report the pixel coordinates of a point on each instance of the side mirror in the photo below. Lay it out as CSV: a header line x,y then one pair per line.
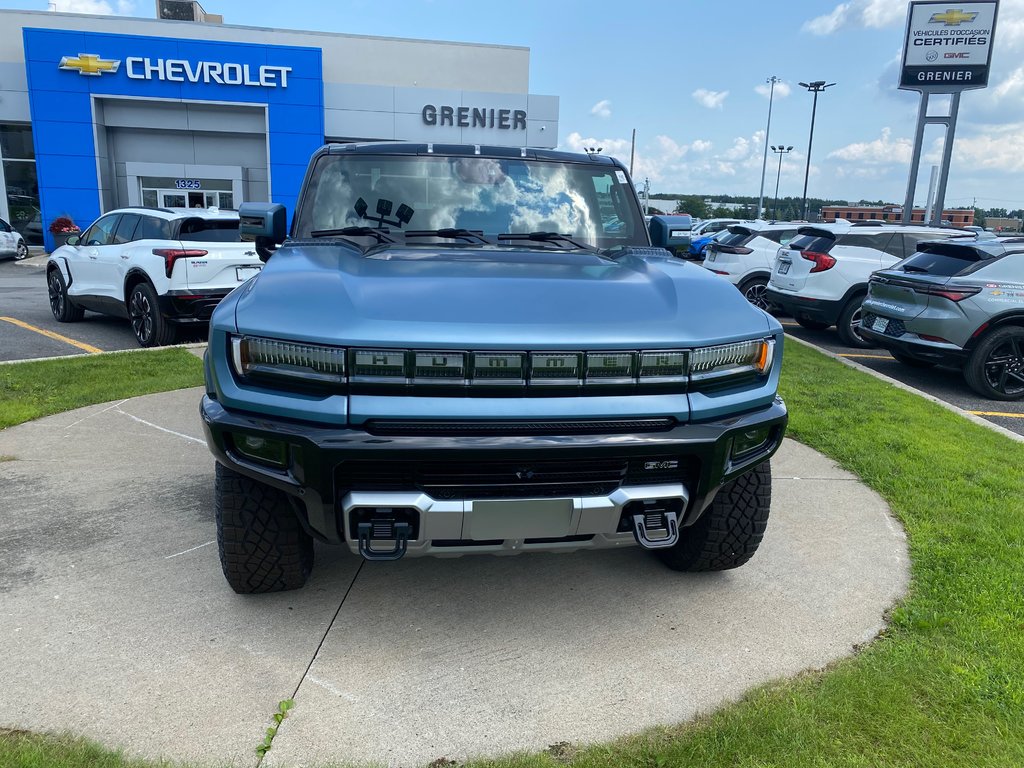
x,y
670,232
73,240
266,224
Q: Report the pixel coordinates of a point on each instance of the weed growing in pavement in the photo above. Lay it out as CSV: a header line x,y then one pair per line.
x,y
283,708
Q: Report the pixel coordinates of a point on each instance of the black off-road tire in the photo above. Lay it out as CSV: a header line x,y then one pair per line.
x,y
263,546
845,324
995,368
911,361
64,311
811,325
151,328
729,532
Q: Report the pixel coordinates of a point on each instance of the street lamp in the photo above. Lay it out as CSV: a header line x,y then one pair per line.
x,y
816,87
780,151
764,161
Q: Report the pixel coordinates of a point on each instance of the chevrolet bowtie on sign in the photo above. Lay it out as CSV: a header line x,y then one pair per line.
x,y
89,64
953,17
948,47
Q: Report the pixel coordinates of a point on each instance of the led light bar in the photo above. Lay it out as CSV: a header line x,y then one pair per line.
x,y
313,362
742,357
335,365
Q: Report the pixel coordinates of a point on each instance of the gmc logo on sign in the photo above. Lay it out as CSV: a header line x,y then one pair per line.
x,y
958,55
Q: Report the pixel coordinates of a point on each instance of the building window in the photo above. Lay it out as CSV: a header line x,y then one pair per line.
x,y
21,188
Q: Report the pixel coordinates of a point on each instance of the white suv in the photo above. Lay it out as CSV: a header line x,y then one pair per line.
x,y
745,256
161,268
821,277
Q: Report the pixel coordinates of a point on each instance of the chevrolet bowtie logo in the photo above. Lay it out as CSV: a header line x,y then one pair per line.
x,y
89,64
952,17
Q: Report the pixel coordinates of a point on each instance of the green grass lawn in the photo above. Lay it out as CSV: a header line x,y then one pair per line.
x,y
33,389
943,686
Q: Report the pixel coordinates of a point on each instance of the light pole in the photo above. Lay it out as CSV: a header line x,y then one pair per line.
x,y
764,161
816,87
780,151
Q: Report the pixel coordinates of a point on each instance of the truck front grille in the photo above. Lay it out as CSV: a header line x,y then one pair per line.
x,y
528,478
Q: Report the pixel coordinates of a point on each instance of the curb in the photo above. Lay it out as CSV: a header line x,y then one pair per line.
x,y
194,345
914,391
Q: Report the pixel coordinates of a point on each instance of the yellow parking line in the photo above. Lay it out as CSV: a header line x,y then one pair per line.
x,y
870,357
998,413
790,325
51,335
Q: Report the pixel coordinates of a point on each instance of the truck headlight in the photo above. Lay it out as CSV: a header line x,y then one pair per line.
x,y
314,363
743,357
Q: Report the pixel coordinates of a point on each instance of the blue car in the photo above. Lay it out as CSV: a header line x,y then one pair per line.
x,y
461,349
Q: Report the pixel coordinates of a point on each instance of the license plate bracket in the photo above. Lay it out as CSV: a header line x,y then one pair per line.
x,y
784,267
880,325
244,273
519,519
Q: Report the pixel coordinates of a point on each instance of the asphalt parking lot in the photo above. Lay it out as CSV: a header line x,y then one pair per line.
x,y
23,302
118,625
27,327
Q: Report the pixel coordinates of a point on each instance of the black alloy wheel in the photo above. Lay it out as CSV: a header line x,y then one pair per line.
x,y
996,368
60,305
150,327
755,290
140,311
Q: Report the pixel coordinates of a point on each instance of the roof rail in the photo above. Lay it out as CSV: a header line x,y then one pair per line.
x,y
145,208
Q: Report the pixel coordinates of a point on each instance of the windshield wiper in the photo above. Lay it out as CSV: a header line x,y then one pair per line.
x,y
382,235
450,233
546,237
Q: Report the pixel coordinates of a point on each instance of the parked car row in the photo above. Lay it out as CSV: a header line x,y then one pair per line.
x,y
930,296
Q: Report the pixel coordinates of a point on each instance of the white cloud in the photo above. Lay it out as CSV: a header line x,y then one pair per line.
x,y
996,147
603,108
782,90
710,99
873,14
884,150
699,145
739,150
100,7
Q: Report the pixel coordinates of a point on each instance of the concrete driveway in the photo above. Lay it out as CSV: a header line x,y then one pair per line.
x,y
118,625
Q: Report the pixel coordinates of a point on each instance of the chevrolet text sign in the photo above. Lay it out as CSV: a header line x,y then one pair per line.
x,y
948,46
180,70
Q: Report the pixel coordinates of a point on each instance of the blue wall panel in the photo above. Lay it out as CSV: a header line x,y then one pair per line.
x,y
62,113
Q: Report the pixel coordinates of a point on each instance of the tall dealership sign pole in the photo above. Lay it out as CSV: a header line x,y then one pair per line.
x,y
947,50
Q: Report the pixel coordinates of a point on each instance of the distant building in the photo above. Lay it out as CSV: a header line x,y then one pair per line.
x,y
958,217
1002,224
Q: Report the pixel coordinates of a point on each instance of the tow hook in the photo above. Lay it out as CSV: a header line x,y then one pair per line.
x,y
387,530
663,523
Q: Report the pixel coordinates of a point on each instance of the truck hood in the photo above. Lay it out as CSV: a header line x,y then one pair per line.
x,y
491,297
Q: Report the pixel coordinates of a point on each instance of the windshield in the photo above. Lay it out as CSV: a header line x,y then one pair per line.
x,y
593,204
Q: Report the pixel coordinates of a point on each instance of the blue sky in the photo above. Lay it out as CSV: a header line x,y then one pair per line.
x,y
685,75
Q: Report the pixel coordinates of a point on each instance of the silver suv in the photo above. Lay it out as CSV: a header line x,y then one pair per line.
x,y
955,303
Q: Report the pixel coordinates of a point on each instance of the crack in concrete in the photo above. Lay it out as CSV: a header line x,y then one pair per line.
x,y
316,653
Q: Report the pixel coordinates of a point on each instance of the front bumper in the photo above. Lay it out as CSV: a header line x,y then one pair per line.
x,y
819,310
317,472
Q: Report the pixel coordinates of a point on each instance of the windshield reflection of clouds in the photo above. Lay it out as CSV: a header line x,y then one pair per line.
x,y
473,193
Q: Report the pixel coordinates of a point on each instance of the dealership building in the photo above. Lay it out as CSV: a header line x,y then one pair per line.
x,y
100,112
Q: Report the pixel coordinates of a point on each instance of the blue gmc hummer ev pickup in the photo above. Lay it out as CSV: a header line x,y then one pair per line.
x,y
471,349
